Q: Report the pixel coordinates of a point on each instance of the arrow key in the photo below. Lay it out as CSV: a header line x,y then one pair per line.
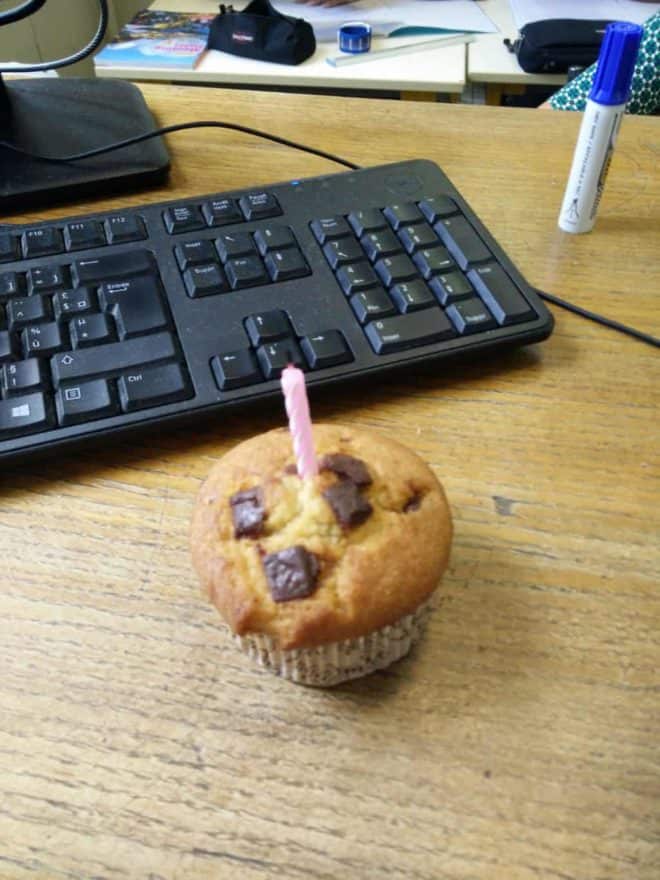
x,y
235,369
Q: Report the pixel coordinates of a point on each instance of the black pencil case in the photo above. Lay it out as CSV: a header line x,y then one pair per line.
x,y
554,45
262,33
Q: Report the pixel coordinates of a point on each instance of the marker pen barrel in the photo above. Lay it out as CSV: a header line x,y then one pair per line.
x,y
601,121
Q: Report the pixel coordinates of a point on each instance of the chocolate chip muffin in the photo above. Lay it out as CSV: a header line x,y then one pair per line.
x,y
328,578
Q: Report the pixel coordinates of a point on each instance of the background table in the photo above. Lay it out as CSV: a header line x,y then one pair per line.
x,y
520,740
490,62
419,75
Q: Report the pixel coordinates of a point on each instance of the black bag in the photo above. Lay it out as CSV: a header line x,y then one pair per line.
x,y
262,33
554,45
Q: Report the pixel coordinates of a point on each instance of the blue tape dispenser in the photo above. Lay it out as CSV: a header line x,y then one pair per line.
x,y
354,37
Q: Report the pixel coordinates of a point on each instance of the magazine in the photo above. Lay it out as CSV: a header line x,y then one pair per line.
x,y
158,39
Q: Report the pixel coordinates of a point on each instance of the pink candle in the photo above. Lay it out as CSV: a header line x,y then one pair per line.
x,y
300,423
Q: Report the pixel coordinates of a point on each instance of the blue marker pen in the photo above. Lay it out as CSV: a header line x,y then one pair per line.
x,y
603,113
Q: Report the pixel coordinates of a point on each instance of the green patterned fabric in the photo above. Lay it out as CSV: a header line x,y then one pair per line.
x,y
645,96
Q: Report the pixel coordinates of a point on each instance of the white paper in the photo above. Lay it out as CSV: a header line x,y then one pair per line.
x,y
391,18
525,11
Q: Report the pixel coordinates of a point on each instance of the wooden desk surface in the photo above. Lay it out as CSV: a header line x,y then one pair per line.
x,y
520,740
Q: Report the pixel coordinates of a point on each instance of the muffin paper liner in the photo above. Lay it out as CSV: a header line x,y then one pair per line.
x,y
333,663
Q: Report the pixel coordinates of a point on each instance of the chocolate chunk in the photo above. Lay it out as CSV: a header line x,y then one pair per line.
x,y
291,573
248,514
349,506
346,466
413,503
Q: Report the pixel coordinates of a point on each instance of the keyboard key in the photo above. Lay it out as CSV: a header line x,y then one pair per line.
x,y
246,272
152,386
256,206
450,287
381,244
90,330
342,251
235,369
356,277
84,234
46,278
371,304
220,212
369,220
433,261
136,305
27,310
183,218
23,415
275,356
501,295
67,303
415,238
330,228
205,280
408,331
283,265
392,270
402,214
436,207
470,316
11,284
111,358
412,295
274,238
42,340
40,242
6,348
86,401
325,349
9,247
121,264
192,253
267,327
462,241
235,244
124,227
22,376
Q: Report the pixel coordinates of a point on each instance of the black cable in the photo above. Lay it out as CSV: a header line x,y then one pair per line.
x,y
600,319
169,129
22,11
32,6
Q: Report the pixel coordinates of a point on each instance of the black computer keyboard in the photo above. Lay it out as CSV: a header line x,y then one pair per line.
x,y
119,320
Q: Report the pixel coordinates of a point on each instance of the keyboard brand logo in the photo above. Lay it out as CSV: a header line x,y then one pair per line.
x,y
242,37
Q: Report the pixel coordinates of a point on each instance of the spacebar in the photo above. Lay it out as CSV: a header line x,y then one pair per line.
x,y
72,365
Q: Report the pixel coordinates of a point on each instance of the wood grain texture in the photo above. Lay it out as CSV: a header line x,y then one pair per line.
x,y
520,739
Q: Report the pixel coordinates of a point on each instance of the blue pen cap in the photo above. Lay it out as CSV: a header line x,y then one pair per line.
x,y
616,62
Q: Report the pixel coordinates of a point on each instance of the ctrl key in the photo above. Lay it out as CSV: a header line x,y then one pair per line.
x,y
23,415
152,386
